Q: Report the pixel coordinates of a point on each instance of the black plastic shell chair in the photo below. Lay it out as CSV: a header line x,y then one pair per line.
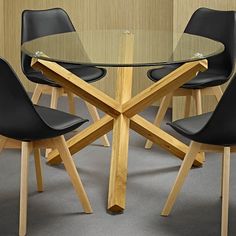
x,y
34,127
216,25
39,23
214,131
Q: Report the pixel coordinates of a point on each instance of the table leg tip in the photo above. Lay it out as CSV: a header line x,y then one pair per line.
x,y
115,209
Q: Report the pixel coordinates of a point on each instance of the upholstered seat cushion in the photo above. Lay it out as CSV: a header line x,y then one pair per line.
x,y
191,125
204,79
87,73
58,122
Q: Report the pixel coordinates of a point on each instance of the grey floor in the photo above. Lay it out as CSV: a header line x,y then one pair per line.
x,y
56,212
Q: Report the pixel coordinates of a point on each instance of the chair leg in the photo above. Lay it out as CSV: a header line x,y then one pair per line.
x,y
160,115
95,116
222,171
187,106
183,172
25,152
198,100
217,91
66,157
54,97
37,93
71,102
225,192
38,169
3,141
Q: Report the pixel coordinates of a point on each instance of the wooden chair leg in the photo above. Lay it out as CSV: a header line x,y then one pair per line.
x,y
37,93
222,171
198,100
95,116
3,141
38,169
160,115
54,97
225,193
187,106
183,172
25,152
60,144
217,91
71,102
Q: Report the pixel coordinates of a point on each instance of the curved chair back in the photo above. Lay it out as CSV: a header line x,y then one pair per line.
x,y
219,26
39,23
18,117
221,127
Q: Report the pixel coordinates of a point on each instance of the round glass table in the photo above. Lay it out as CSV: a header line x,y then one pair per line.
x,y
104,47
123,49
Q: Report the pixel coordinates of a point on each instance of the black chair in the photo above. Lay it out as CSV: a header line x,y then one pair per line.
x,y
216,25
39,23
214,131
35,127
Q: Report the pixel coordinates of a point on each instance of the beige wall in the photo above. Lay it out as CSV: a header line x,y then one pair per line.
x,y
91,14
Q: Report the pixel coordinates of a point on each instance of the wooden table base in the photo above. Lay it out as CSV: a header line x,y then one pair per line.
x,y
121,115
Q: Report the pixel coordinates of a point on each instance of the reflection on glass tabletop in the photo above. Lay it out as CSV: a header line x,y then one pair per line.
x,y
106,47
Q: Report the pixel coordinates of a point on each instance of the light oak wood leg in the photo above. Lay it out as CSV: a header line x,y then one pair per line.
x,y
225,195
37,93
163,139
25,152
95,116
160,115
187,106
217,91
157,91
3,141
120,138
66,157
222,170
183,172
71,102
122,108
38,169
119,162
198,100
54,97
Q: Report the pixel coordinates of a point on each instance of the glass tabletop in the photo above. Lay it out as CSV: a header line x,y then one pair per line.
x,y
107,47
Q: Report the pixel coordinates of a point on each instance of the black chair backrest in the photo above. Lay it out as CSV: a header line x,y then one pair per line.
x,y
39,23
219,26
18,117
221,127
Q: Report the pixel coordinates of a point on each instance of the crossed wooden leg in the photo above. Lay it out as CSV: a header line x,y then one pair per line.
x,y
121,115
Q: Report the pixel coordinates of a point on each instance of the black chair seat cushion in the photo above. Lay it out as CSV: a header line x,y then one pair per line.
x,y
87,73
38,77
58,122
203,128
205,79
191,125
48,123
